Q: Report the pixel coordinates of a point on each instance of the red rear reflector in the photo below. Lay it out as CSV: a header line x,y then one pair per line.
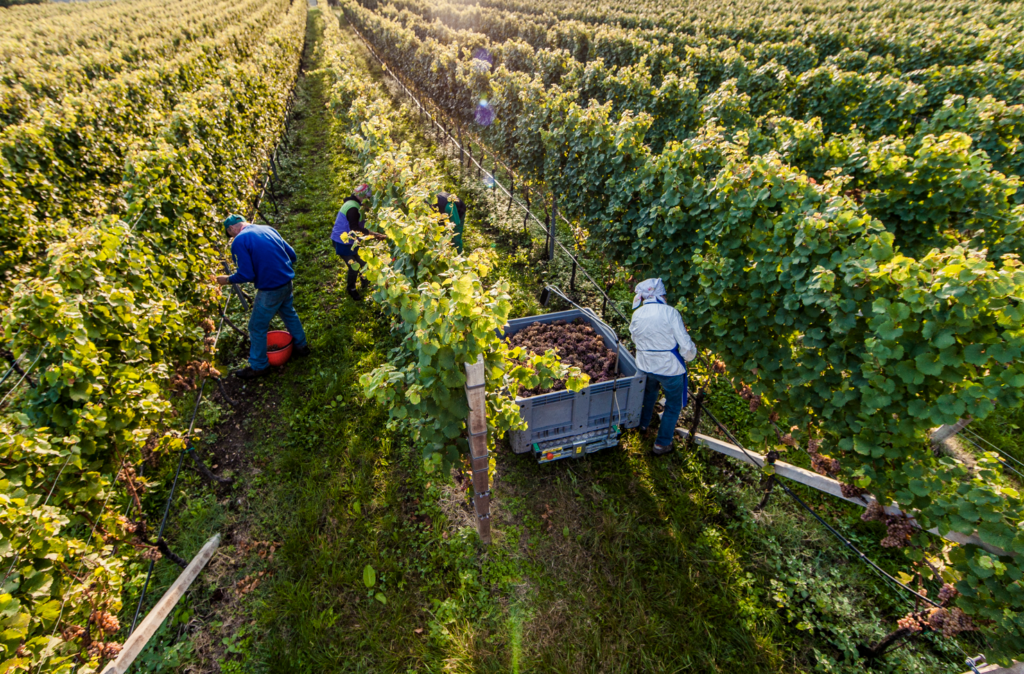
x,y
549,456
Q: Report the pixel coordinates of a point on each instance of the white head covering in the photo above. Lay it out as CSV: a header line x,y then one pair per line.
x,y
651,289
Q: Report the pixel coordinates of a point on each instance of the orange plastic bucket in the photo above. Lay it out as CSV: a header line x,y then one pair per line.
x,y
281,340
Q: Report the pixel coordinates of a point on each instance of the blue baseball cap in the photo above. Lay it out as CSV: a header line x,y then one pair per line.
x,y
232,219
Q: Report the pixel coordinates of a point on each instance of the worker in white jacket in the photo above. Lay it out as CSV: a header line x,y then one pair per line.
x,y
662,350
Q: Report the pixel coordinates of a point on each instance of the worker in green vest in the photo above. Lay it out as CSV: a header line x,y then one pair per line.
x,y
453,207
350,221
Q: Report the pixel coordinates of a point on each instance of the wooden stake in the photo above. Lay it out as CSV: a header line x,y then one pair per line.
x,y
476,395
151,623
947,431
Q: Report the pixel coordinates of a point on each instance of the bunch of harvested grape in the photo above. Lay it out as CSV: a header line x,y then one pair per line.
x,y
576,343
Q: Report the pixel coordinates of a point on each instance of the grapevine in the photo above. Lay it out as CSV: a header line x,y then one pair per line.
x,y
114,306
844,227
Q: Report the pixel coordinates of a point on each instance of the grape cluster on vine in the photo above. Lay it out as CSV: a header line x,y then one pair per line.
x,y
187,378
823,464
104,649
947,621
852,490
752,398
943,619
105,621
72,632
151,554
899,527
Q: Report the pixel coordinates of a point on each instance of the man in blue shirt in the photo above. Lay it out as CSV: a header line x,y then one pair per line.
x,y
265,260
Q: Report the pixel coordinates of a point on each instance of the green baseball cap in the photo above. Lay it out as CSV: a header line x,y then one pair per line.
x,y
232,219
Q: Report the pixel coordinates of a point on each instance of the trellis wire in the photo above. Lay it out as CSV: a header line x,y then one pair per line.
x,y
611,302
17,555
14,364
993,446
1000,454
14,361
23,376
181,460
81,568
878,570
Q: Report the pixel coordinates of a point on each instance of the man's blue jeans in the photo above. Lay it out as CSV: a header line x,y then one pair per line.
x,y
675,392
266,304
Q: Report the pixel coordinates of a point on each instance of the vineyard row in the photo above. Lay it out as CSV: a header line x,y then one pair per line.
x,y
113,312
858,337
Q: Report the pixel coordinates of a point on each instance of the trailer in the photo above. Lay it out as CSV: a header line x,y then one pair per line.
x,y
564,424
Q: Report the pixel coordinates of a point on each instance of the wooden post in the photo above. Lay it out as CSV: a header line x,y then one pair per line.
x,y
552,227
944,441
151,623
947,431
476,395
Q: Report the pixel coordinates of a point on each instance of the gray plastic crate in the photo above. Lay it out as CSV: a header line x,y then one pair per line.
x,y
568,423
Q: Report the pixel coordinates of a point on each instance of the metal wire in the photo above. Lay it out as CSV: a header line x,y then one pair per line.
x,y
14,364
993,446
53,486
23,376
1001,462
879,570
177,472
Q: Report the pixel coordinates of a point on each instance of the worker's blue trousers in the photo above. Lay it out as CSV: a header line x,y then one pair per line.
x,y
266,304
675,400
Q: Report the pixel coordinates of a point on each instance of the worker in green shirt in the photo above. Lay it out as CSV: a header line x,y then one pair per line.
x,y
453,207
350,221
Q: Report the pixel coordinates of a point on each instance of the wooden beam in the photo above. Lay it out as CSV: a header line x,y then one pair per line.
x,y
825,484
151,623
947,431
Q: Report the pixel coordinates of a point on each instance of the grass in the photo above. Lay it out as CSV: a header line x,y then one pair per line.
x,y
615,563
